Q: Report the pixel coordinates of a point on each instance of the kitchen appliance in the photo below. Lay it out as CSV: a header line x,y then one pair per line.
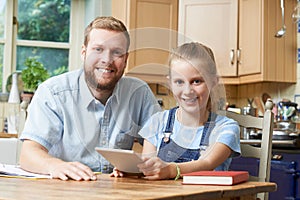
x,y
284,130
285,172
248,110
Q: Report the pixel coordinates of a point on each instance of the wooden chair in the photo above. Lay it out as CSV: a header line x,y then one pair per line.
x,y
263,152
9,143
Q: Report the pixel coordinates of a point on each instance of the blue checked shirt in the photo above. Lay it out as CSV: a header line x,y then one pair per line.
x,y
66,119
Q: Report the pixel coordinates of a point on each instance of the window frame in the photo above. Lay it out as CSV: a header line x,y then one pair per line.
x,y
10,41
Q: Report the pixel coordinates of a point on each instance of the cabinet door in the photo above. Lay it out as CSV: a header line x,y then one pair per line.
x,y
213,23
250,37
263,56
153,25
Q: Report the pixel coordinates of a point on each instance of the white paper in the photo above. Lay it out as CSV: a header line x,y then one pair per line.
x,y
16,171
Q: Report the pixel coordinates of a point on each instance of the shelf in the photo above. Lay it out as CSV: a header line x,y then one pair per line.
x,y
8,135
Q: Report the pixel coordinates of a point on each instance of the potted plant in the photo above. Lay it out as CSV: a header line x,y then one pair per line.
x,y
34,74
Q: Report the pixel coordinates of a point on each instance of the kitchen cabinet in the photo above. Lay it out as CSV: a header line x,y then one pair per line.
x,y
242,36
153,29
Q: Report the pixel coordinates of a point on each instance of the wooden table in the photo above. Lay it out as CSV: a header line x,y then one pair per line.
x,y
125,188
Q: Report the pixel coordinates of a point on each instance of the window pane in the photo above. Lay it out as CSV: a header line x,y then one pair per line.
x,y
44,20
52,59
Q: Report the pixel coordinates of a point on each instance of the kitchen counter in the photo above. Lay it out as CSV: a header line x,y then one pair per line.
x,y
291,144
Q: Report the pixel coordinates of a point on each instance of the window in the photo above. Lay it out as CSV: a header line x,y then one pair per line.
x,y
49,30
43,29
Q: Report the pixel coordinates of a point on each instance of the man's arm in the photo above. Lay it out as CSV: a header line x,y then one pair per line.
x,y
35,158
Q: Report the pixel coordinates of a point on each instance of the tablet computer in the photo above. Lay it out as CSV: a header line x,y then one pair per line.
x,y
123,160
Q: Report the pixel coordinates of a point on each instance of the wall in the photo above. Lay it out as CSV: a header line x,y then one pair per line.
x,y
163,94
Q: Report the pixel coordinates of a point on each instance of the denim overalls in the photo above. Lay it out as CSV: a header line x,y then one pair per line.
x,y
169,151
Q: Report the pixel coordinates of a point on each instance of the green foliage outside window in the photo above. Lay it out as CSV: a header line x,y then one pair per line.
x,y
52,59
44,20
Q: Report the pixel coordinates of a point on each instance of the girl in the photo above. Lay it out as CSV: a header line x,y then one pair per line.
x,y
190,137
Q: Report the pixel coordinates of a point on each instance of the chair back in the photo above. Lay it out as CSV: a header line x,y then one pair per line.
x,y
263,152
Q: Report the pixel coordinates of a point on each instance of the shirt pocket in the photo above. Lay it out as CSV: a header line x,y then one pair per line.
x,y
124,140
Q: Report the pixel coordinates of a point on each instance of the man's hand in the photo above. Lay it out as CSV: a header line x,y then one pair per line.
x,y
73,170
35,158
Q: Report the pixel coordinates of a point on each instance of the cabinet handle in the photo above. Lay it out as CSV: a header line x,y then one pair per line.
x,y
232,56
238,55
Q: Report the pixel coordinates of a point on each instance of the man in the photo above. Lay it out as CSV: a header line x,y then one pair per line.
x,y
75,112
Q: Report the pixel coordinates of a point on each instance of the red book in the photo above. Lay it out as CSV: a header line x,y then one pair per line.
x,y
215,177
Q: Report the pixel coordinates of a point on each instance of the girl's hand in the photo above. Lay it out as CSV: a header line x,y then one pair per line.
x,y
116,173
155,169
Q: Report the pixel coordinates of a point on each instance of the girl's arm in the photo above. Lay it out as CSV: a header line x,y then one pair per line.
x,y
212,158
148,148
154,168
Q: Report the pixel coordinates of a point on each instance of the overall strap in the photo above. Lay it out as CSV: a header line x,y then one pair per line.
x,y
170,123
207,128
171,119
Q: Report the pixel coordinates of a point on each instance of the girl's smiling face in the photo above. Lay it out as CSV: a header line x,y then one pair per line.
x,y
189,86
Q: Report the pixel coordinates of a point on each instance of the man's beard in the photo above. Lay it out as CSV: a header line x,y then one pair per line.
x,y
93,83
109,86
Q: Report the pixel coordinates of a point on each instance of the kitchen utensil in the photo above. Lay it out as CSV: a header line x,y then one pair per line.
x,y
249,110
264,97
287,109
296,13
281,32
259,106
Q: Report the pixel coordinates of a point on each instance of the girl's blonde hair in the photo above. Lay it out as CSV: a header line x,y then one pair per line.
x,y
201,55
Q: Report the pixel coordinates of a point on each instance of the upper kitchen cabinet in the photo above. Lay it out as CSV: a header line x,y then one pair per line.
x,y
153,30
242,36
